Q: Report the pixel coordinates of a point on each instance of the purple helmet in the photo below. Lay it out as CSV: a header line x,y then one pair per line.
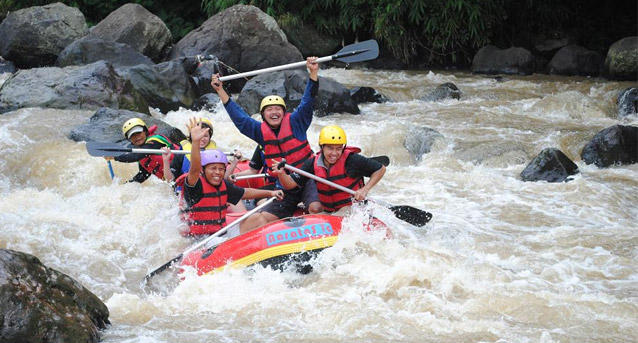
x,y
214,156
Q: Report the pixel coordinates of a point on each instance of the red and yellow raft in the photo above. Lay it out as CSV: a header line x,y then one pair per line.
x,y
291,240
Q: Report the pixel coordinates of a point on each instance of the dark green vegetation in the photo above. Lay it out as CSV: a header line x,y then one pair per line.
x,y
417,32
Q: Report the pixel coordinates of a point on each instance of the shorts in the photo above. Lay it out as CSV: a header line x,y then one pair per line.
x,y
287,207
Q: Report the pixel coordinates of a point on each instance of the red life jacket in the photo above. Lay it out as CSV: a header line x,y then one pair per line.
x,y
153,163
331,198
284,145
209,214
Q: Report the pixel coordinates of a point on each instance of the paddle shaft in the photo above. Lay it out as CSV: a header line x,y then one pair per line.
x,y
319,179
203,242
111,170
253,176
160,151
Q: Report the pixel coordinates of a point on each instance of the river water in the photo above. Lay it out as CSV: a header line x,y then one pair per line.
x,y
501,261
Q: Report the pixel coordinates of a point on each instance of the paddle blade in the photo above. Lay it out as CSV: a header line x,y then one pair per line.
x,y
411,215
358,52
102,149
385,160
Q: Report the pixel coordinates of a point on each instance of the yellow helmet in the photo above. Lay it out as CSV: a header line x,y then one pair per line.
x,y
332,134
272,100
131,123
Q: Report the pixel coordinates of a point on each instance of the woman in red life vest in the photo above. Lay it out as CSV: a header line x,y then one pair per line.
x,y
206,192
136,132
340,164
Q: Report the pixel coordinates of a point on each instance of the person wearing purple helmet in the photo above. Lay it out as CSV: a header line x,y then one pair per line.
x,y
206,194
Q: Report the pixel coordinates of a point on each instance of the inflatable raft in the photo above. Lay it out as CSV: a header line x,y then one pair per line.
x,y
291,240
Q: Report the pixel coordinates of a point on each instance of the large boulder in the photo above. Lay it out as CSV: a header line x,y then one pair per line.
x,y
166,86
134,25
243,37
105,125
621,62
333,97
79,87
40,304
87,51
627,102
310,42
34,36
419,141
575,60
551,165
615,145
513,61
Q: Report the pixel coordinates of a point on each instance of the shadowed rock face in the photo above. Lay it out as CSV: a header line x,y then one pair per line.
x,y
615,145
621,62
550,165
78,87
492,60
34,36
243,37
40,304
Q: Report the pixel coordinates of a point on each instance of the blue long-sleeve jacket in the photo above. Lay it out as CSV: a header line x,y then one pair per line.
x,y
300,118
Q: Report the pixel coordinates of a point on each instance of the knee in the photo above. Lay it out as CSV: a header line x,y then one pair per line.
x,y
315,208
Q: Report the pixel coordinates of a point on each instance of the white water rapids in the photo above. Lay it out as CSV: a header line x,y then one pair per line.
x,y
501,261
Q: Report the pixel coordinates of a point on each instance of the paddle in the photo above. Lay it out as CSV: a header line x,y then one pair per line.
x,y
111,170
406,213
253,176
104,149
203,242
357,52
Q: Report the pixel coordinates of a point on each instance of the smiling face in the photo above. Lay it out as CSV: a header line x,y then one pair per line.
x,y
273,115
331,153
138,138
214,173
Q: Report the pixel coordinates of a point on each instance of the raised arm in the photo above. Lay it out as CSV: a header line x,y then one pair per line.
x,y
197,133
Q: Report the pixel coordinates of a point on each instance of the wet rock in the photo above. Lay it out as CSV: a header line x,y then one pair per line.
x,y
310,42
494,154
6,66
419,141
87,51
362,95
243,37
78,87
575,60
513,61
551,165
621,62
447,90
165,86
208,102
135,26
628,102
106,126
40,304
34,36
202,74
333,97
615,145
548,48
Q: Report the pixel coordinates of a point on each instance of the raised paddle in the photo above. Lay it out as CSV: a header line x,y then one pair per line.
x,y
203,242
357,52
406,213
104,149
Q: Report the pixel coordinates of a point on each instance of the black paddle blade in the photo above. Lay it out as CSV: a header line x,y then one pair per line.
x,y
385,160
163,267
102,149
411,215
363,51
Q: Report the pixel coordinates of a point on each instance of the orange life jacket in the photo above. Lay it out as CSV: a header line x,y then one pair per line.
x,y
284,145
331,198
209,214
